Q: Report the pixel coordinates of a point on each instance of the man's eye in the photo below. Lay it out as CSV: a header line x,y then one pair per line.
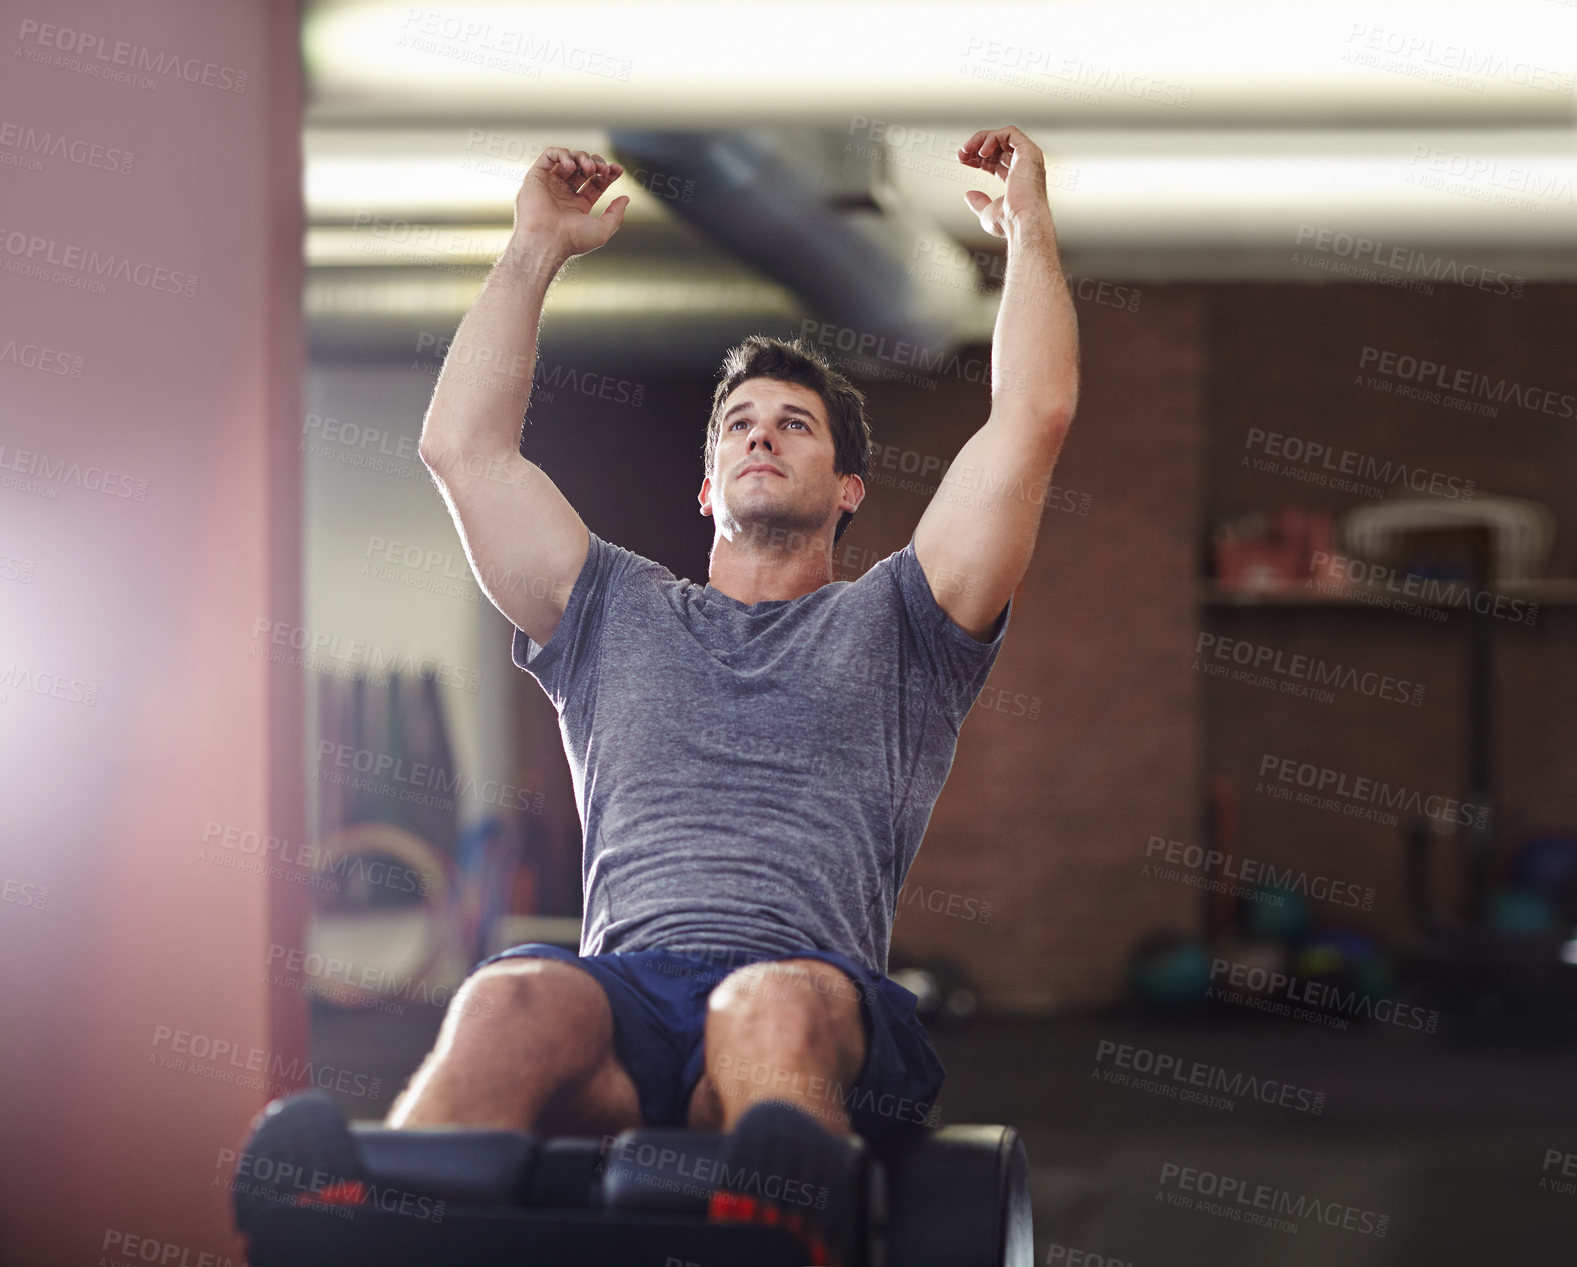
x,y
745,422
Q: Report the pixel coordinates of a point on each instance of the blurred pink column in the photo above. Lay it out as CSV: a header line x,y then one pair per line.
x,y
150,502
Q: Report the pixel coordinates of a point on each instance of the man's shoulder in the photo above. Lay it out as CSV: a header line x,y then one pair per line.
x,y
625,563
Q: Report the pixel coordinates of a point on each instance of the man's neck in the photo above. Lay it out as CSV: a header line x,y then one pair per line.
x,y
760,576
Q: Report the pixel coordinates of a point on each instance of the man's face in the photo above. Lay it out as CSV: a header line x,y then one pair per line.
x,y
773,468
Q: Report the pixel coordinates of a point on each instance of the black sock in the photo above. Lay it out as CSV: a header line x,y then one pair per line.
x,y
780,1167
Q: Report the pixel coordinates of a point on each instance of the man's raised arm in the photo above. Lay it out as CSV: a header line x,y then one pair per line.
x,y
525,542
976,537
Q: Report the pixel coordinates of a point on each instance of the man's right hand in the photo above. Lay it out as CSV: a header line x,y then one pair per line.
x,y
555,200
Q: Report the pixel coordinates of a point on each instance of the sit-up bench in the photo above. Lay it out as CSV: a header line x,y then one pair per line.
x,y
956,1196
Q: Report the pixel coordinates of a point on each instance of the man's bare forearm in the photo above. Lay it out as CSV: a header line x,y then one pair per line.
x,y
484,386
1035,347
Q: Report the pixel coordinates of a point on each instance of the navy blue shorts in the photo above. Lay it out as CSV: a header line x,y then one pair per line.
x,y
659,1002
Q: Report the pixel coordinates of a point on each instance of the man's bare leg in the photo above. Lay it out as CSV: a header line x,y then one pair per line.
x,y
527,1044
786,1030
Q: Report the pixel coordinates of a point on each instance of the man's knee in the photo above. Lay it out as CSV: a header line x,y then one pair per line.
x,y
791,1003
525,1044
544,993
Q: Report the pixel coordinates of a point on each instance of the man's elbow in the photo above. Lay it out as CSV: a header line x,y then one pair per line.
x,y
1044,402
1058,416
431,454
1061,402
1041,424
437,453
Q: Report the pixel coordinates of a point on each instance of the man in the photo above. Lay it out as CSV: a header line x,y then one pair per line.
x,y
755,760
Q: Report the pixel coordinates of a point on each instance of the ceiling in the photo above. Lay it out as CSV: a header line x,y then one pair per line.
x,y
1310,142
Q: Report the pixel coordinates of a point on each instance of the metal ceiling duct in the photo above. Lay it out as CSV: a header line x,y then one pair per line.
x,y
816,216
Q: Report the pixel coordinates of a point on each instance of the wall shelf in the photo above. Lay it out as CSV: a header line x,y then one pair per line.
x,y
1553,592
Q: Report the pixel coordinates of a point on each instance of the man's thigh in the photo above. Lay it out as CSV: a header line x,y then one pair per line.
x,y
573,1004
657,1002
798,1009
899,1073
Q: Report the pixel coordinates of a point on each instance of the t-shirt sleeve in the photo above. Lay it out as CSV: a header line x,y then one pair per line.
x,y
956,663
569,656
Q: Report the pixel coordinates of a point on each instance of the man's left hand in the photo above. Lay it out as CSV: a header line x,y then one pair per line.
x,y
1008,153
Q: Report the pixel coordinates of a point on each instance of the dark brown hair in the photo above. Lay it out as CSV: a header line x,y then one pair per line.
x,y
761,356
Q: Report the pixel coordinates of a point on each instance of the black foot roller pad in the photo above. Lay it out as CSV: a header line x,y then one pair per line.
x,y
959,1198
299,1149
313,1191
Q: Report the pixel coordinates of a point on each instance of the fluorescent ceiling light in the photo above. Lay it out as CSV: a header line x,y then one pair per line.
x,y
417,198
404,243
1246,188
672,297
724,63
453,173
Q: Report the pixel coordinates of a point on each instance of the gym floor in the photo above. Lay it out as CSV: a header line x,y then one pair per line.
x,y
1446,1140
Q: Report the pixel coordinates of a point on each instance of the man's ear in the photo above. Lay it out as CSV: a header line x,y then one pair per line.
x,y
705,494
856,490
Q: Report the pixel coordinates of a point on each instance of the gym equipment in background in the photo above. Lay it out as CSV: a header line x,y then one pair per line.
x,y
945,996
1276,914
377,742
311,1190
1253,926
395,910
1274,927
1502,963
1346,960
384,932
1507,968
1169,970
1507,961
1539,894
1260,551
1427,536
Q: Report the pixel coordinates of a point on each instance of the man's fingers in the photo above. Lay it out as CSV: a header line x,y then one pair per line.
x,y
598,184
599,174
997,153
613,217
983,143
992,164
988,209
556,164
555,157
992,149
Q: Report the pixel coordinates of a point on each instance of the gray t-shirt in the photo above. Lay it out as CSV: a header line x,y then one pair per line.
x,y
754,776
